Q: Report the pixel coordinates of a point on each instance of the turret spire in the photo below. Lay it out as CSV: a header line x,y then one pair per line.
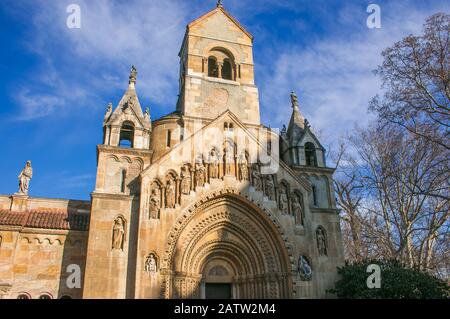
x,y
219,4
297,122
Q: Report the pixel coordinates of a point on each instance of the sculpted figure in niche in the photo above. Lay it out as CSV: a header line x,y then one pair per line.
x,y
213,164
170,194
155,203
256,178
118,233
304,268
200,174
284,200
243,168
186,181
229,159
270,187
150,264
321,241
297,209
24,178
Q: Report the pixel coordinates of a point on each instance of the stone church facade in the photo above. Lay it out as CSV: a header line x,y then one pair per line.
x,y
204,202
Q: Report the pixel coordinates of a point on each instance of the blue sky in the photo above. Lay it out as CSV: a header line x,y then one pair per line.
x,y
55,82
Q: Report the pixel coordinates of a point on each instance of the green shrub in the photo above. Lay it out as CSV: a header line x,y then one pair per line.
x,y
397,282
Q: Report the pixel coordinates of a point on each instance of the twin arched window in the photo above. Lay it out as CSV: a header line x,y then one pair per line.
x,y
221,65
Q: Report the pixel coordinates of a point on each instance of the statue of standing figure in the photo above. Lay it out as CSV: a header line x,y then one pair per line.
x,y
270,187
118,233
228,159
24,178
243,169
155,203
186,181
170,194
284,207
200,175
297,209
213,164
150,264
321,241
256,178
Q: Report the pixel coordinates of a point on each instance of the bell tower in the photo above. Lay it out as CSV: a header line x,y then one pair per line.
x,y
217,70
124,154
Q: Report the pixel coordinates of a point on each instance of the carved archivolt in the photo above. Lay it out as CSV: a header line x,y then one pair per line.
x,y
227,225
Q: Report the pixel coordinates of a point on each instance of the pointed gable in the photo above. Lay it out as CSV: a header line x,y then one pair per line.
x,y
215,22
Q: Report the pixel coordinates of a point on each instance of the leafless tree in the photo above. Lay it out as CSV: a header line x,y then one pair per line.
x,y
416,78
393,191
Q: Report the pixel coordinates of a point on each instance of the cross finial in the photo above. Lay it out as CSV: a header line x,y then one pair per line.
x,y
133,75
219,3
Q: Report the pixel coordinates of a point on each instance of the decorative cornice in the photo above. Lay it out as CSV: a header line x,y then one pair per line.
x,y
126,151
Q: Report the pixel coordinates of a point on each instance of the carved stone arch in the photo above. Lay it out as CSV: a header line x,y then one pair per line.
x,y
226,224
125,159
227,49
112,156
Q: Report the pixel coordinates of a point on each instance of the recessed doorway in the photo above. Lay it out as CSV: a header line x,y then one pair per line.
x,y
217,291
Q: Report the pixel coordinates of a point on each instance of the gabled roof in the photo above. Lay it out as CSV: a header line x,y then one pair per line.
x,y
46,219
222,10
238,123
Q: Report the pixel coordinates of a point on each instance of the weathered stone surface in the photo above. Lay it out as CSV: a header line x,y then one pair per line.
x,y
188,202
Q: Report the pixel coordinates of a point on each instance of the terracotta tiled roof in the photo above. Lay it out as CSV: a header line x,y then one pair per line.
x,y
48,219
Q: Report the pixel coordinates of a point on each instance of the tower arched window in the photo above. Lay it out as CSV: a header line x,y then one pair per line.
x,y
226,70
126,134
213,70
123,179
310,154
314,193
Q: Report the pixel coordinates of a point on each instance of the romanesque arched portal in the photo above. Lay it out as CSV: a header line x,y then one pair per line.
x,y
228,241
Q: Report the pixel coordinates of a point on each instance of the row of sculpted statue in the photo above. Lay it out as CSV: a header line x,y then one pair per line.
x,y
169,193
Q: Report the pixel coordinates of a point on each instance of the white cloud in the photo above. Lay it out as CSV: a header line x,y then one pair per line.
x,y
334,76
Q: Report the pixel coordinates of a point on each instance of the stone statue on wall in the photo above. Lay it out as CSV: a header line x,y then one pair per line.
x,y
24,178
200,175
270,187
118,233
213,164
228,159
186,181
284,206
243,168
170,194
304,269
151,264
155,203
256,178
297,209
321,241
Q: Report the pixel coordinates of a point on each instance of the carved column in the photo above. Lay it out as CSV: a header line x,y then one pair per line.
x,y
219,69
